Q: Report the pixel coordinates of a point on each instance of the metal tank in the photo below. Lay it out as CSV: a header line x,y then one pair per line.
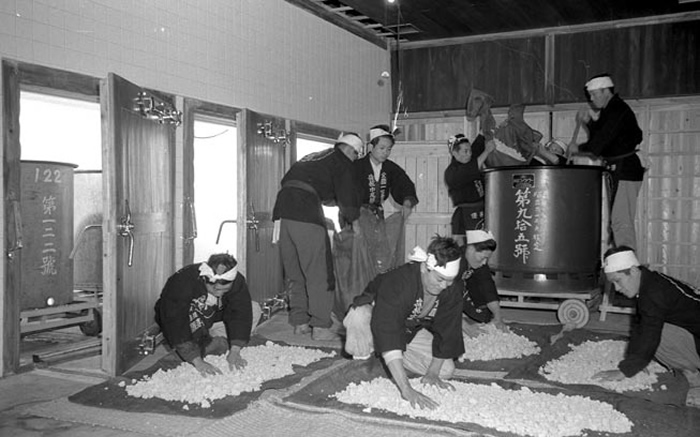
x,y
87,229
547,222
47,230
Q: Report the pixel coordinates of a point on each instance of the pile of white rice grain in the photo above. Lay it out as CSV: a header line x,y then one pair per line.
x,y
186,384
591,357
494,344
522,411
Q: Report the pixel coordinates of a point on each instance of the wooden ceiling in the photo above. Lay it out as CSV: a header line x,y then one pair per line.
x,y
428,20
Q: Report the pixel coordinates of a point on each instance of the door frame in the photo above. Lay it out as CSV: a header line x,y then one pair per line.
x,y
16,77
191,109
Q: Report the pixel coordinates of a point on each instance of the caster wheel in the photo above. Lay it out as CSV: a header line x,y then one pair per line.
x,y
573,312
92,328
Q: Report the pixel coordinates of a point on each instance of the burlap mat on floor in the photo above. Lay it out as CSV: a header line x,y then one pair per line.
x,y
111,396
650,419
674,393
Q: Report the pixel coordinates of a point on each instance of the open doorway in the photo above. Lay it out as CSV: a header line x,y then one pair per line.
x,y
61,209
215,187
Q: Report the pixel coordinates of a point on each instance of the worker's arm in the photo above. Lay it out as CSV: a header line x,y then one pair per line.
x,y
432,376
489,147
495,308
416,398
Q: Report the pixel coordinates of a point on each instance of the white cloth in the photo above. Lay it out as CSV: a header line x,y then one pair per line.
x,y
449,270
478,236
207,272
620,261
359,341
378,132
598,83
351,140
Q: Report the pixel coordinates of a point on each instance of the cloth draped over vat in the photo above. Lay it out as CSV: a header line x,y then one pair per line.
x,y
516,142
359,258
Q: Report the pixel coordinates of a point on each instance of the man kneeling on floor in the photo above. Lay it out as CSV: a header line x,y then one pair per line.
x,y
412,316
194,302
668,327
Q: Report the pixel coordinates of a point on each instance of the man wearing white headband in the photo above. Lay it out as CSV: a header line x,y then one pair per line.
x,y
378,176
414,313
614,135
379,241
196,298
323,178
481,303
669,320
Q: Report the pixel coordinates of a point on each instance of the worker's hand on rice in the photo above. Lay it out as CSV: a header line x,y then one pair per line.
x,y
471,330
609,375
235,361
418,399
359,342
435,380
204,368
500,325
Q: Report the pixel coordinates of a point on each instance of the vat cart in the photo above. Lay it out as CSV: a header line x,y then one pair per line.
x,y
84,311
573,308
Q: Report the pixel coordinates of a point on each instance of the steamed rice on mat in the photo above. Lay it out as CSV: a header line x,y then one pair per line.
x,y
522,411
494,344
186,384
591,357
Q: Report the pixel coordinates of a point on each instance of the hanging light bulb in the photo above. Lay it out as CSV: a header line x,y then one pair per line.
x,y
391,1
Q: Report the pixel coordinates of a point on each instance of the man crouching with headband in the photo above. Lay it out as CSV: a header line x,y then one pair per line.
x,y
668,328
412,317
196,297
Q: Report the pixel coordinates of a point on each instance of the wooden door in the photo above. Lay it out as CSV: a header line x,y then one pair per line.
x,y
261,169
138,218
10,299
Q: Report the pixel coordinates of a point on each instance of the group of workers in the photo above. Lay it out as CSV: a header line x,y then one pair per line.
x,y
416,315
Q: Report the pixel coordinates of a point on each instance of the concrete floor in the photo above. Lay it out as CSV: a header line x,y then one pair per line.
x,y
33,403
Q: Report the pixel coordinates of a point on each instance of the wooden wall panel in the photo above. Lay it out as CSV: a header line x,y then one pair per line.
x,y
440,78
644,61
670,200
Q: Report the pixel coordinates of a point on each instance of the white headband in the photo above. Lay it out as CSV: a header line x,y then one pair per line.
x,y
620,261
207,272
351,140
598,83
379,132
449,270
478,236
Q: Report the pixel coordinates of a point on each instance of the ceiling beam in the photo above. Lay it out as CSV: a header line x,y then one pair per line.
x,y
333,18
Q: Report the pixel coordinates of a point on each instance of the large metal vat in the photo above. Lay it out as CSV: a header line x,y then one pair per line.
x,y
47,231
87,250
547,222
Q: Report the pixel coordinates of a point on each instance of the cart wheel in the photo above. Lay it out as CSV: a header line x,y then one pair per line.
x,y
92,328
573,312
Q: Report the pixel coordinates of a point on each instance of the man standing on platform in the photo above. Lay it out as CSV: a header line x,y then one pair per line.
x,y
614,134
